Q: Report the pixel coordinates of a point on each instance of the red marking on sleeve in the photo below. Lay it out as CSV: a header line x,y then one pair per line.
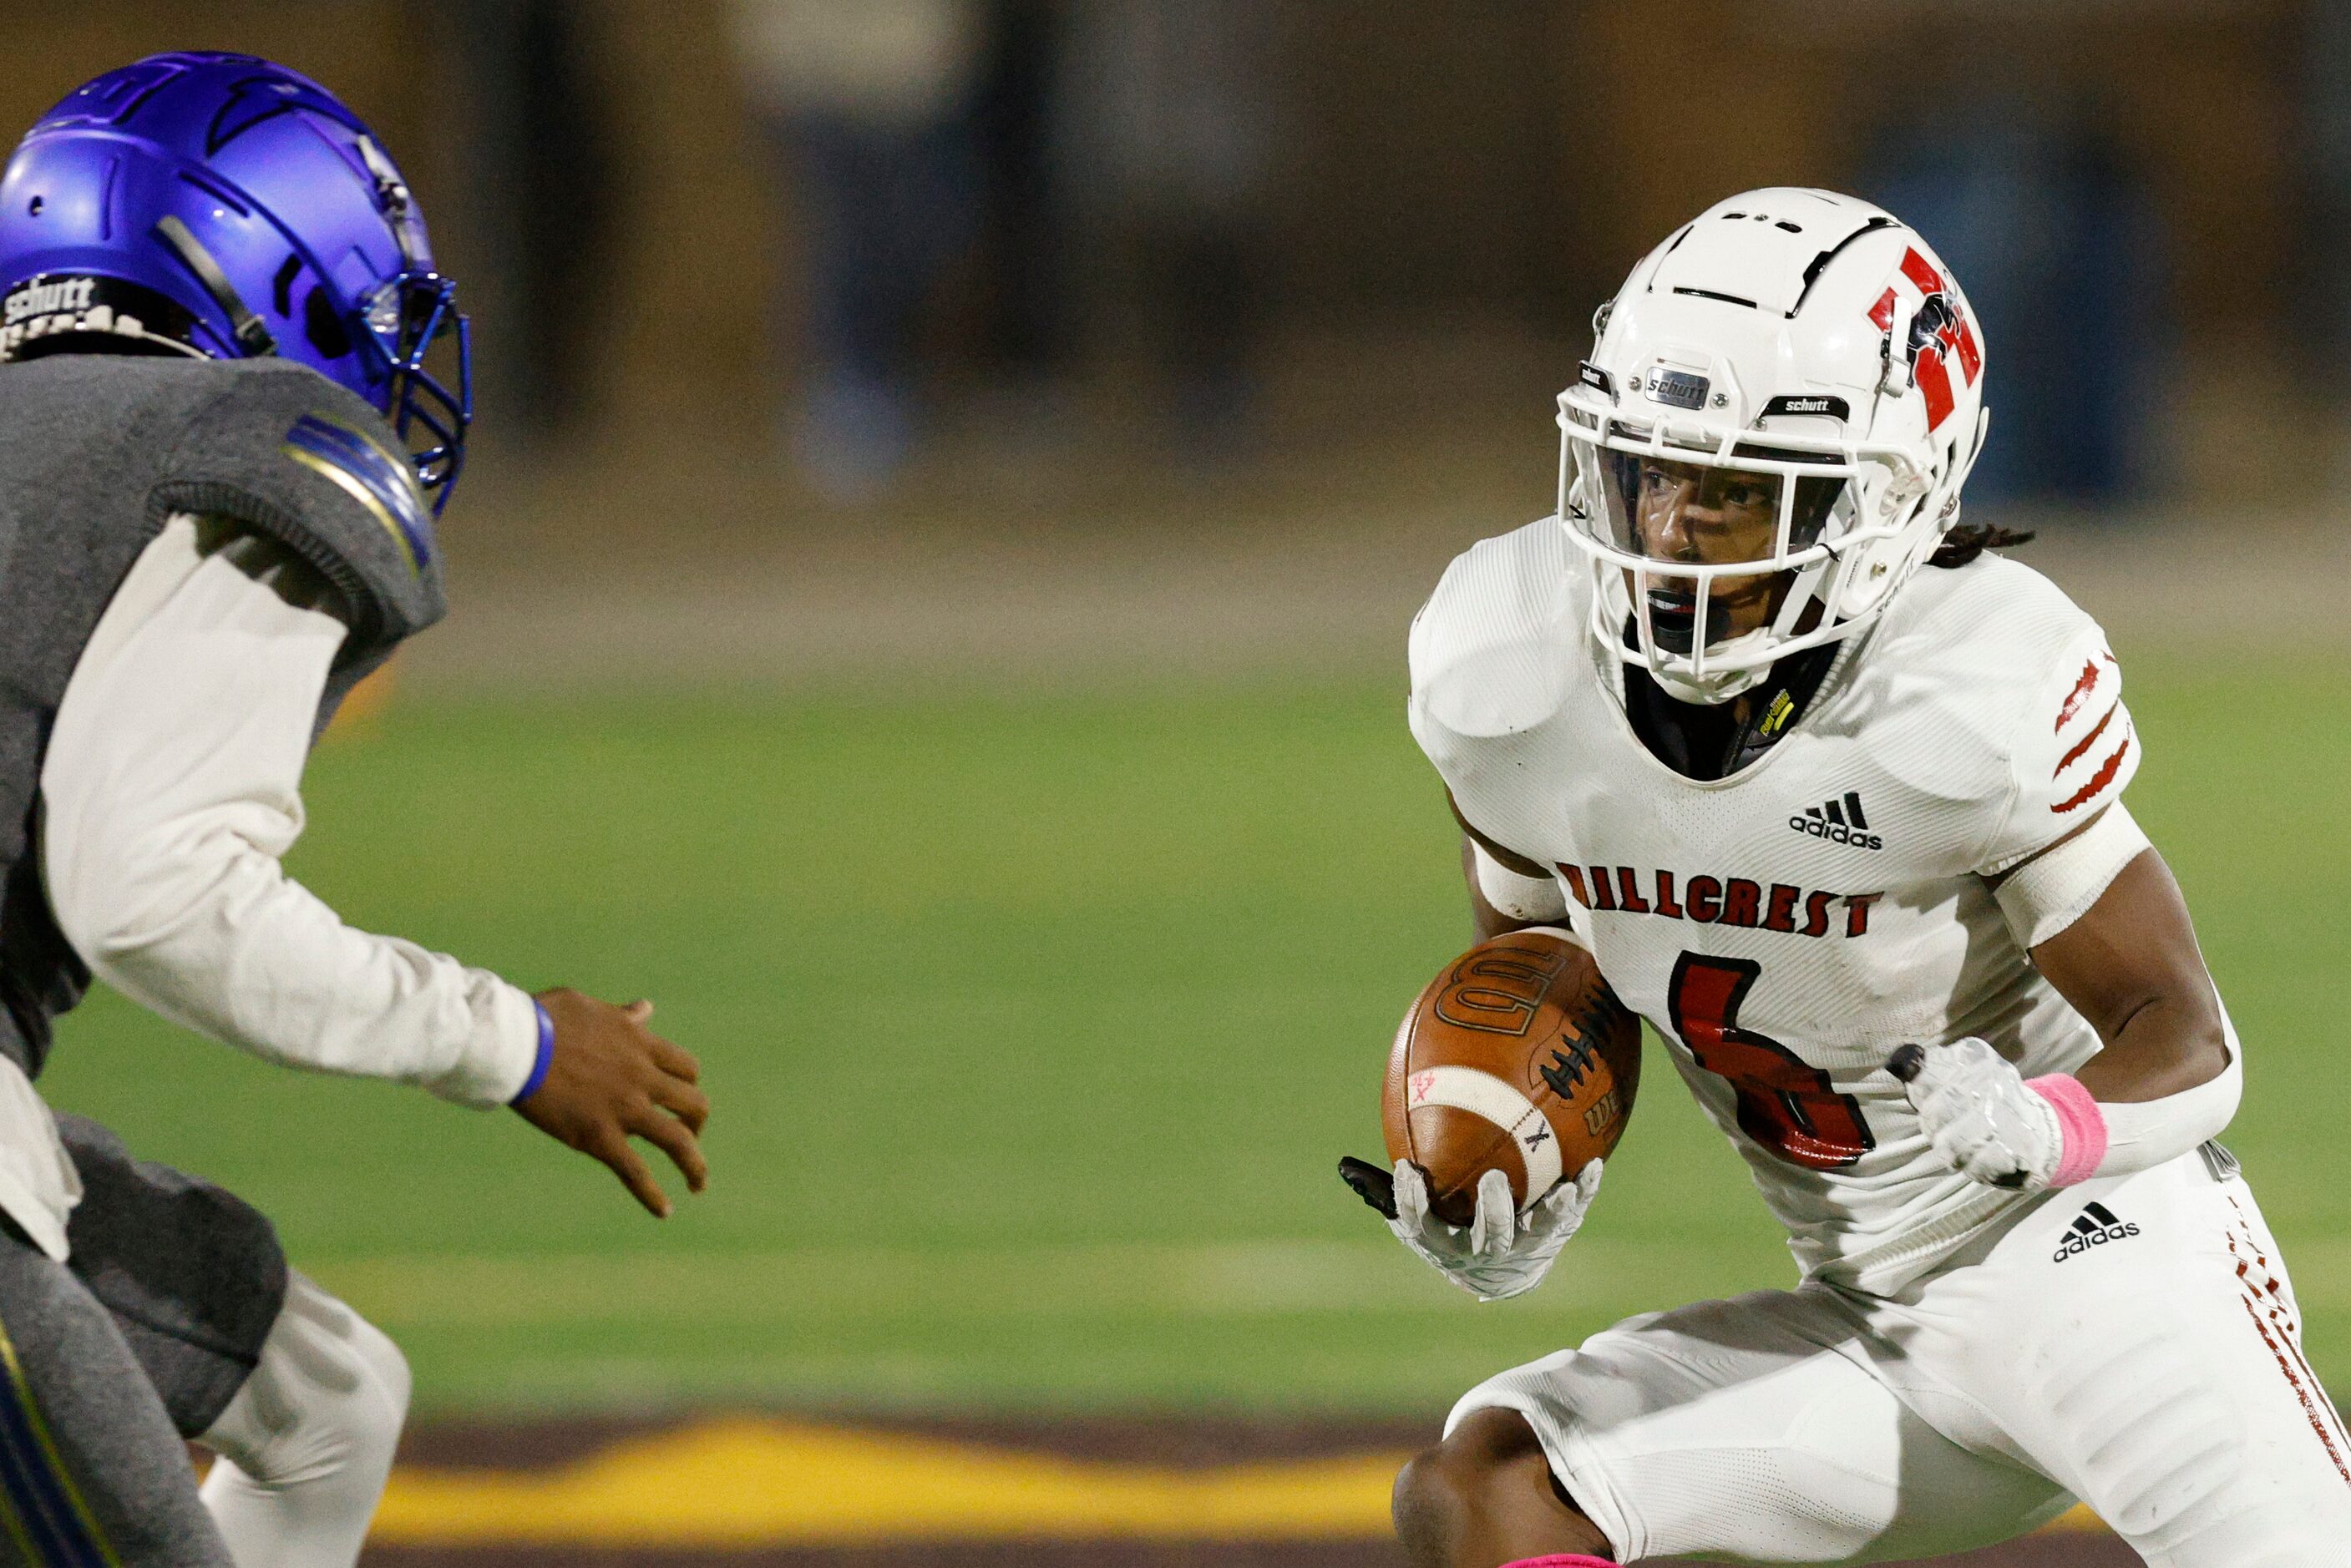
x,y
1882,313
2083,686
2087,740
2098,781
1920,271
1575,883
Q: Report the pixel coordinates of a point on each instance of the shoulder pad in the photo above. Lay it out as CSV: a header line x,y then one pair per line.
x,y
2003,684
279,446
1487,649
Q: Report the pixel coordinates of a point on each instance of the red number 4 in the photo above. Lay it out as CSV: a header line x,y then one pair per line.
x,y
1784,1103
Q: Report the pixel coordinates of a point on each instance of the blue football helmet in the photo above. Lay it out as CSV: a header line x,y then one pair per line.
x,y
221,206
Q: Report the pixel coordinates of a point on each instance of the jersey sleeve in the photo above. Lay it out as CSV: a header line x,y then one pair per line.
x,y
169,789
1487,673
2072,754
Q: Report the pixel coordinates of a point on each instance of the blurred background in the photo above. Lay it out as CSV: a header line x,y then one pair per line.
x,y
951,480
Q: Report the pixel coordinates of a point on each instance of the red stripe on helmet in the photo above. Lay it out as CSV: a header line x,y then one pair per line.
x,y
1921,271
1936,382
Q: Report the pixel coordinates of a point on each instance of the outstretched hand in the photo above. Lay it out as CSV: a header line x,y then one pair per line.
x,y
610,1078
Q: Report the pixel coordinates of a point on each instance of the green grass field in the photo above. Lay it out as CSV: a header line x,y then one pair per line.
x,y
1035,1025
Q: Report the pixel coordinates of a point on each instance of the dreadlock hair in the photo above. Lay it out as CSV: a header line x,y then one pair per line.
x,y
1968,540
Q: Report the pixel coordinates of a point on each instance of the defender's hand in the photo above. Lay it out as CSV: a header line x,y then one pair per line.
x,y
1980,1113
610,1077
1498,1254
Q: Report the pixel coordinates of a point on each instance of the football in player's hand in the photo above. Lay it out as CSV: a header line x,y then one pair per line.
x,y
1517,1057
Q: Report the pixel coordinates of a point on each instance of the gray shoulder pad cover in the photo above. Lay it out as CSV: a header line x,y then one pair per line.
x,y
284,449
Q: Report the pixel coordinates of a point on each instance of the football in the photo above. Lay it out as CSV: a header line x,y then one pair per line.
x,y
1517,1057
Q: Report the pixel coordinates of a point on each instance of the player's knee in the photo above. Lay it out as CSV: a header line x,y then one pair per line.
x,y
379,1409
1445,1495
326,1402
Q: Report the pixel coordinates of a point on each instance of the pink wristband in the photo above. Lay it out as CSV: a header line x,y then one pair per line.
x,y
2079,1121
1562,1559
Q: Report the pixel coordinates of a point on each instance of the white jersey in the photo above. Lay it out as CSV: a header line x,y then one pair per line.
x,y
1786,927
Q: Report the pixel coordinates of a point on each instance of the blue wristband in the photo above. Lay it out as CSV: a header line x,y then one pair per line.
x,y
546,1055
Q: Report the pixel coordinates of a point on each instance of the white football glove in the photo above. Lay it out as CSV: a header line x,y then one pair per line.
x,y
1978,1115
1498,1254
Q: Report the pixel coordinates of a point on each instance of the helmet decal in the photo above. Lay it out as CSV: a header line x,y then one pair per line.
x,y
61,304
1677,389
265,97
1937,327
113,98
393,199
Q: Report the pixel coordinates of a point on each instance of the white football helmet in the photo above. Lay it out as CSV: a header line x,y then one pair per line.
x,y
1769,436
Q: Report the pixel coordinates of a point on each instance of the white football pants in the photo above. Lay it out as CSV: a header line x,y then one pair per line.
x,y
2131,1342
305,1447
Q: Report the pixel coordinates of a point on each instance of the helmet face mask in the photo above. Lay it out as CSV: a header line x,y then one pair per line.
x,y
1692,515
1764,445
413,326
1719,558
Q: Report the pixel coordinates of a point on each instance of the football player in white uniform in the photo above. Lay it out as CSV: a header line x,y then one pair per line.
x,y
1834,796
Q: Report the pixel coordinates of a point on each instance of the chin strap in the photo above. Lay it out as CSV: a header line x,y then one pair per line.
x,y
1778,703
251,334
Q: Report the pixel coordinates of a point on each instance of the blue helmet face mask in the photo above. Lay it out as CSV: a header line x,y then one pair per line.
x,y
220,206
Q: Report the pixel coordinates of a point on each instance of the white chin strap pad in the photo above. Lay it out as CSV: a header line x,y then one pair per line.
x,y
1719,685
307,1445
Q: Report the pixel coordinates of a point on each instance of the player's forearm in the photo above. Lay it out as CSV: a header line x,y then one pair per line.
x,y
216,937
171,785
2115,939
2131,967
2167,1046
2059,1129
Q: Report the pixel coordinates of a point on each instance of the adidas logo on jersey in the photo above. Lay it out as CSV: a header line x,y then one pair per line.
x,y
1839,822
2095,1226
